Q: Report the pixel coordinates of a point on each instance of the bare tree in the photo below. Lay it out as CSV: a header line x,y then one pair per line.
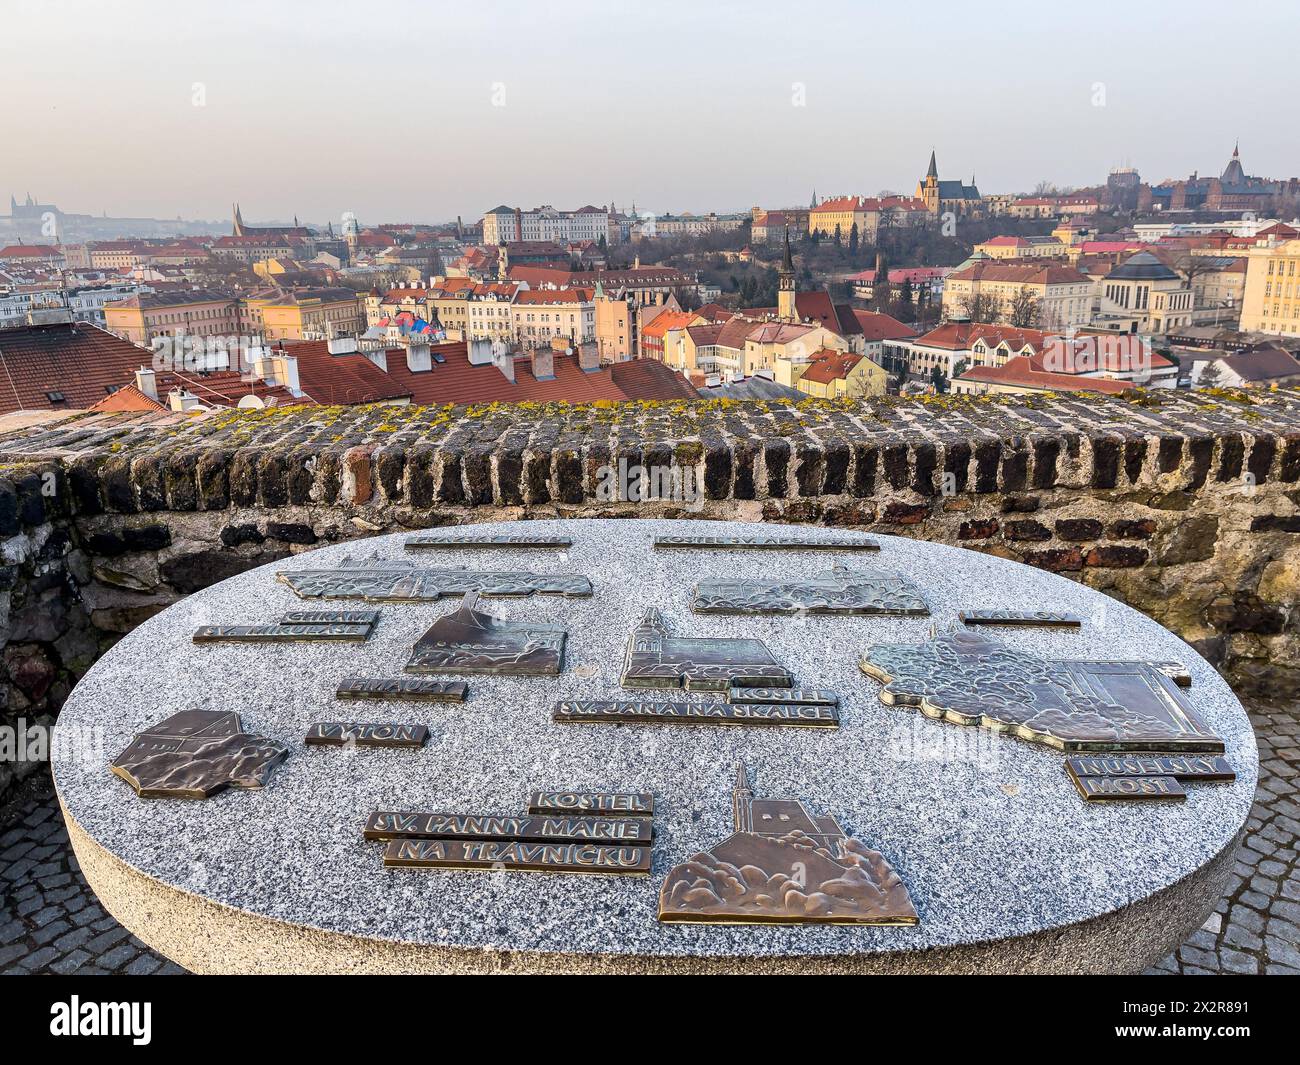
x,y
1024,310
982,307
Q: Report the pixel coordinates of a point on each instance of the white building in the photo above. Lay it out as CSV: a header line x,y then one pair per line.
x,y
506,225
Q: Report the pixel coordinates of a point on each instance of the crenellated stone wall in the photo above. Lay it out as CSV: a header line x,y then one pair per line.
x,y
1186,506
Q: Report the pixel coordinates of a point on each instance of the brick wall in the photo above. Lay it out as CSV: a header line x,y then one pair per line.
x,y
1185,506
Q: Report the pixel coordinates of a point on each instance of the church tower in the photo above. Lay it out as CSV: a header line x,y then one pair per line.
x,y
928,190
785,301
742,801
237,230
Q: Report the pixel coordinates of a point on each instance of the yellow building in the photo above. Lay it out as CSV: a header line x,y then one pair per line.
x,y
840,213
778,346
1061,295
1271,303
615,337
266,269
141,318
841,374
1022,248
309,314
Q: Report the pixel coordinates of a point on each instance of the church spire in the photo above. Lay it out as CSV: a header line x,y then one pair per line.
x,y
742,801
785,289
933,171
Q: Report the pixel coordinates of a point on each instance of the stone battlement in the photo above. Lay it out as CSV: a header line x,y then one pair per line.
x,y
1186,506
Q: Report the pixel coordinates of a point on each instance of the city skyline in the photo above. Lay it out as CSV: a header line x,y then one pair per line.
x,y
306,111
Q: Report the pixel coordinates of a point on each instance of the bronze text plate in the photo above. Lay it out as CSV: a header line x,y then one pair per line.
x,y
413,688
639,712
530,857
1180,767
529,828
590,802
1110,789
379,734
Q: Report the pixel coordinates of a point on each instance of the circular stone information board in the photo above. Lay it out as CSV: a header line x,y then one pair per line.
x,y
1007,867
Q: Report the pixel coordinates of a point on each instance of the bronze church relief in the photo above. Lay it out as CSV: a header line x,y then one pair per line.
x,y
783,864
658,659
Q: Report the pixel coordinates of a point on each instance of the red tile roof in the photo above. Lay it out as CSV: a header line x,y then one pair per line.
x,y
79,362
715,312
961,336
666,321
126,398
567,295
1097,352
877,326
30,251
1020,371
828,365
353,378
344,380
222,388
635,277
1033,272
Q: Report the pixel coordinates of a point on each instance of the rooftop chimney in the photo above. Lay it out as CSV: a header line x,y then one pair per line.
x,y
543,364
588,356
506,364
379,357
180,400
341,345
480,352
50,316
286,370
146,382
418,357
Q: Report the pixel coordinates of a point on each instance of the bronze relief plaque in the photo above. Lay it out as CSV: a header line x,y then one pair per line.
x,y
657,659
402,582
362,734
646,712
623,804
470,641
514,855
528,828
784,864
1045,618
1074,705
1129,789
423,542
197,753
838,592
417,689
769,543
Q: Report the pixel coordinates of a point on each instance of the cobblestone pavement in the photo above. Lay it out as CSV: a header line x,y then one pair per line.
x,y
1256,928
51,922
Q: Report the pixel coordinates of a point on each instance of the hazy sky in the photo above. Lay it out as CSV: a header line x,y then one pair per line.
x,y
389,109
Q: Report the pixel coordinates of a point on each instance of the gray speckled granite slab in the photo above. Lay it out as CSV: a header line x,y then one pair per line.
x,y
987,832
